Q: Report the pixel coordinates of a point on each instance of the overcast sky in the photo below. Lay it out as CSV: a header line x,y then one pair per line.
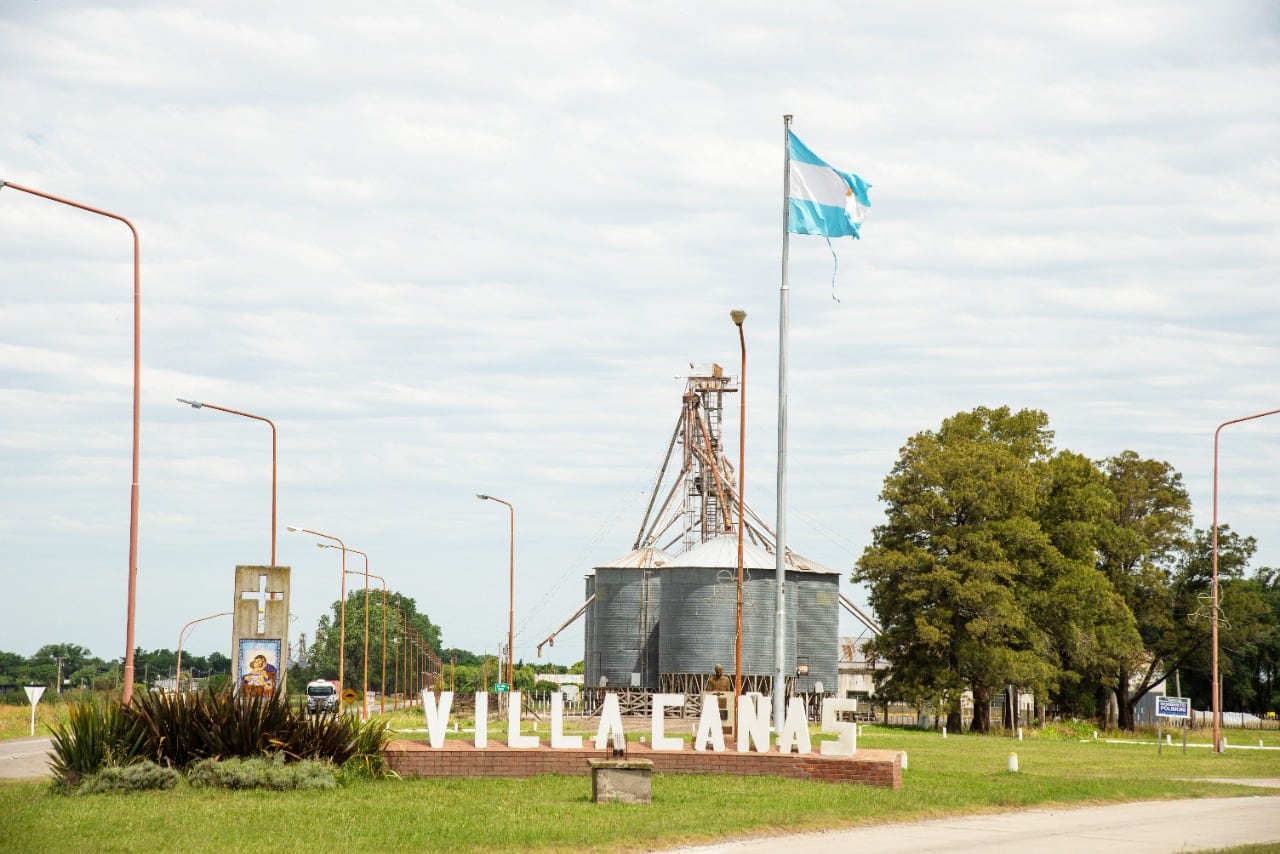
x,y
455,248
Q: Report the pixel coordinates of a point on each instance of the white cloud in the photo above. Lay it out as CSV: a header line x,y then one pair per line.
x,y
452,249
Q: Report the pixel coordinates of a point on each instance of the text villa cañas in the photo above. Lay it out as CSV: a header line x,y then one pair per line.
x,y
752,725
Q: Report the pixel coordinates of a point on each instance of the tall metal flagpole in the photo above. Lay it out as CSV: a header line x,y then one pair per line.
x,y
780,571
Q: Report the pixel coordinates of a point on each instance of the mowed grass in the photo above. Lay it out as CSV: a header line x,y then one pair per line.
x,y
961,774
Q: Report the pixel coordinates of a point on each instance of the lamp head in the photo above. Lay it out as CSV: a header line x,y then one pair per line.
x,y
738,316
194,404
293,528
482,496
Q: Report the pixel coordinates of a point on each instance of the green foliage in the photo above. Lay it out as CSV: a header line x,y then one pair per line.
x,y
950,569
1003,562
95,735
140,777
1064,730
262,773
422,637
180,730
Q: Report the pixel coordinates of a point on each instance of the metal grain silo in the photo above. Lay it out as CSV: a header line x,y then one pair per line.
x,y
622,622
589,661
699,611
815,624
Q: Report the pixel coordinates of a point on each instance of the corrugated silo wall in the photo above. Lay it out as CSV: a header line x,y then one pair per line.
x,y
699,621
626,625
817,629
590,660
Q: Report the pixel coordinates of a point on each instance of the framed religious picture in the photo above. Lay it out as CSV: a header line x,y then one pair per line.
x,y
257,666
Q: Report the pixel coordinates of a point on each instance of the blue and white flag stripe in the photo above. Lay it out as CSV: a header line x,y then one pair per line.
x,y
823,200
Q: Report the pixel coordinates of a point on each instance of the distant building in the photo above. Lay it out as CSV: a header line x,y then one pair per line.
x,y
857,669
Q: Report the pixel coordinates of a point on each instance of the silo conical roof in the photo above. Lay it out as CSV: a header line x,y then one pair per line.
x,y
722,553
649,557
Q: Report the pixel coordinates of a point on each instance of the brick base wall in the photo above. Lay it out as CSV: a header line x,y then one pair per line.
x,y
462,759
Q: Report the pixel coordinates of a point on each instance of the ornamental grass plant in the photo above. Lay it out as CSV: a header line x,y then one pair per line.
x,y
179,730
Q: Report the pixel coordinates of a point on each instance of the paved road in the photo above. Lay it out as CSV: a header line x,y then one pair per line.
x,y
1162,826
24,757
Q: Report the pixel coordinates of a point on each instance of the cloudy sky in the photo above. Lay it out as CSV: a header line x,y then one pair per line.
x,y
454,248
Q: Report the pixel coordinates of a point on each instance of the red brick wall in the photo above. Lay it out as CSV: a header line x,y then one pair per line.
x,y
461,759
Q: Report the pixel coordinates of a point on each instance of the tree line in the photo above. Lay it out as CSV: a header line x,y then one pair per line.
x,y
81,670
412,656
411,659
1005,562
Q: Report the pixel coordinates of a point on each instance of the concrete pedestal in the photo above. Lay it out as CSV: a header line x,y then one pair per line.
x,y
624,781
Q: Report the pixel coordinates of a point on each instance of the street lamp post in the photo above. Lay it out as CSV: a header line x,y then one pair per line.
x,y
1215,688
177,680
342,606
382,685
399,639
364,703
131,606
511,592
194,404
738,317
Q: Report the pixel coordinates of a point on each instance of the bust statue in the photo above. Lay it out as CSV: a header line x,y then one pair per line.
x,y
718,681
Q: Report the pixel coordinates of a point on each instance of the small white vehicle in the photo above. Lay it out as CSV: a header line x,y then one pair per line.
x,y
322,696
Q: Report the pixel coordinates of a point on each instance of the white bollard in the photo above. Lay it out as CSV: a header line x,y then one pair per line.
x,y
1095,735
1259,742
1019,733
1013,762
1224,744
944,732
1168,738
903,754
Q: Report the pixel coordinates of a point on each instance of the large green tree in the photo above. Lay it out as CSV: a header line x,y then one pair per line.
x,y
401,646
1247,622
1149,532
1091,630
949,570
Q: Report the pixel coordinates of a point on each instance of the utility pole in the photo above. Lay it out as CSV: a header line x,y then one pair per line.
x,y
60,660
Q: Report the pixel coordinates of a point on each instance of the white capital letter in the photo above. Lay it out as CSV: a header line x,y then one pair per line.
x,y
514,738
753,723
795,729
847,743
610,722
709,726
558,738
658,739
437,716
482,719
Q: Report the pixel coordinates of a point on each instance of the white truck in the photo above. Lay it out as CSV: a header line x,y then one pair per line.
x,y
323,696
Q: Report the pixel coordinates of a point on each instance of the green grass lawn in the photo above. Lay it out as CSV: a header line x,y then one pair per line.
x,y
961,774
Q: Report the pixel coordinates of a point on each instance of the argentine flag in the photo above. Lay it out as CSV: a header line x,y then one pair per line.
x,y
823,200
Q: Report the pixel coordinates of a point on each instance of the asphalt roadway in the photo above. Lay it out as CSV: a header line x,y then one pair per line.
x,y
24,758
1200,824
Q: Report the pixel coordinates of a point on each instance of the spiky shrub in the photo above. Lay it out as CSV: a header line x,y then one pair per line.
x,y
95,735
180,730
176,726
141,777
369,740
246,726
